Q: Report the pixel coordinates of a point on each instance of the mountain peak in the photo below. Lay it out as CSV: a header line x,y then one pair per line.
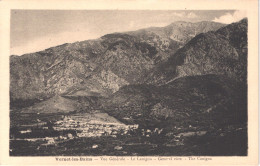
x,y
73,67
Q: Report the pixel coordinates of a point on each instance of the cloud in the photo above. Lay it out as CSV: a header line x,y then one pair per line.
x,y
229,18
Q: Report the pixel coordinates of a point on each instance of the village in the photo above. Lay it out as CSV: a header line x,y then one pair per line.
x,y
55,133
92,128
44,133
75,126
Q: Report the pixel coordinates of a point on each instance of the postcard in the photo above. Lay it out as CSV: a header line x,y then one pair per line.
x,y
115,82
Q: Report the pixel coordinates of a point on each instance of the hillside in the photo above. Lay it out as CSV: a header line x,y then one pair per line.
x,y
206,77
100,66
183,100
62,104
180,32
221,52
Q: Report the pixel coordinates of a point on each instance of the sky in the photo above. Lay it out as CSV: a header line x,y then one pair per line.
x,y
36,30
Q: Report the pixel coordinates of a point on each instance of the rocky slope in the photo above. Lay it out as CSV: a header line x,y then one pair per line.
x,y
208,75
175,35
221,52
98,67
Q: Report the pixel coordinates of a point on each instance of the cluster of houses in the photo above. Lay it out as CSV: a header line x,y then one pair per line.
x,y
90,127
84,127
93,128
150,132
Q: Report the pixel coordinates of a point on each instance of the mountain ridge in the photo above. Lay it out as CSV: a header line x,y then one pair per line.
x,y
57,69
207,53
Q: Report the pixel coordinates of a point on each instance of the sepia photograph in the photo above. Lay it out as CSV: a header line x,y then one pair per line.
x,y
128,83
144,82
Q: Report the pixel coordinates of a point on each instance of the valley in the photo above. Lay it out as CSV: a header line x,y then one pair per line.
x,y
179,90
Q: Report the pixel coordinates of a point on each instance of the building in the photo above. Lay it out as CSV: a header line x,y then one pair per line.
x,y
26,131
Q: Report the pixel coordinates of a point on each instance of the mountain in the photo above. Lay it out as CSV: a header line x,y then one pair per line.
x,y
179,31
221,52
206,80
133,76
98,67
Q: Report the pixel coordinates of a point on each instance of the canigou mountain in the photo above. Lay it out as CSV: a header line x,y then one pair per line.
x,y
110,62
183,85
